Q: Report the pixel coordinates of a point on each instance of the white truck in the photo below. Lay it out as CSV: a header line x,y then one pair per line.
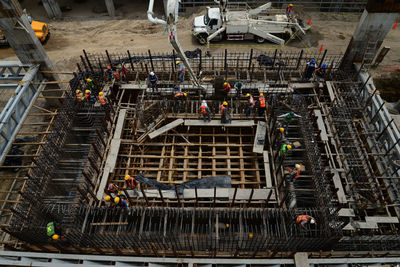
x,y
259,24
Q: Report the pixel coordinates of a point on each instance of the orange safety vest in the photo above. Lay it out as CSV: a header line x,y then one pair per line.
x,y
302,218
251,101
87,96
79,97
117,76
262,101
178,95
102,101
131,183
222,109
203,109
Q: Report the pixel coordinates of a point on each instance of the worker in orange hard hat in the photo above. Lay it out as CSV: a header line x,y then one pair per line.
x,y
289,9
109,73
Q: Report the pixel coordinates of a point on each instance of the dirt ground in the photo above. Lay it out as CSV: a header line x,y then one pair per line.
x,y
85,27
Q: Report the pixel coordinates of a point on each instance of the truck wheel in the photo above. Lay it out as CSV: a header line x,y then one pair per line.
x,y
260,40
202,38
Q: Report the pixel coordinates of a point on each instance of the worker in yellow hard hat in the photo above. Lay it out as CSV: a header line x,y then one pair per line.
x,y
225,117
227,88
178,97
101,98
284,150
261,105
250,104
90,83
131,184
121,202
289,10
180,69
54,231
282,130
79,96
87,95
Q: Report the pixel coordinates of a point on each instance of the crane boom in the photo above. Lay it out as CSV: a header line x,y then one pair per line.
x,y
170,23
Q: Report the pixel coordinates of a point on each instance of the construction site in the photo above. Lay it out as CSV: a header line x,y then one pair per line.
x,y
232,189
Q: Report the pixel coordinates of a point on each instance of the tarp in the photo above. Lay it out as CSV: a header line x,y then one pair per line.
x,y
204,183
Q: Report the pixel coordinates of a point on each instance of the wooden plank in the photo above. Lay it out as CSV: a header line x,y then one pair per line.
x,y
235,123
259,138
338,184
120,124
330,90
113,154
346,213
321,125
103,183
166,128
268,180
381,219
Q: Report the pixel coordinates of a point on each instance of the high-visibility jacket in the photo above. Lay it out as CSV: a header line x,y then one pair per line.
x,y
178,95
295,170
288,118
203,109
117,76
227,88
123,203
303,218
262,101
251,101
87,96
102,101
223,108
50,229
131,183
112,188
79,97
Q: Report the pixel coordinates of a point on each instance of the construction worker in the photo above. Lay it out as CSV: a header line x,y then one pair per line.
x,y
225,118
238,87
304,220
87,95
124,72
79,96
101,98
120,201
54,231
178,98
227,88
153,79
109,73
250,105
180,69
112,189
131,184
288,118
90,83
205,111
261,105
293,174
289,9
320,72
110,198
284,150
117,76
310,68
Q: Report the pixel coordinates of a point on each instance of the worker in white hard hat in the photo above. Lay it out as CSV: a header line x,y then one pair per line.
x,y
304,220
153,79
293,173
205,111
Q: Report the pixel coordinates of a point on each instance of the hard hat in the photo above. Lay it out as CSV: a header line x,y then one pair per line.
x,y
297,166
290,4
116,200
109,68
55,237
291,113
261,94
247,95
312,221
185,94
227,225
177,62
225,103
77,91
100,93
152,73
119,193
251,235
312,60
289,147
127,177
88,80
324,65
87,91
107,198
225,83
281,129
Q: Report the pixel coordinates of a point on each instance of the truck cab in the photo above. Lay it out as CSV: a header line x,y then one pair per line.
x,y
207,24
40,28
